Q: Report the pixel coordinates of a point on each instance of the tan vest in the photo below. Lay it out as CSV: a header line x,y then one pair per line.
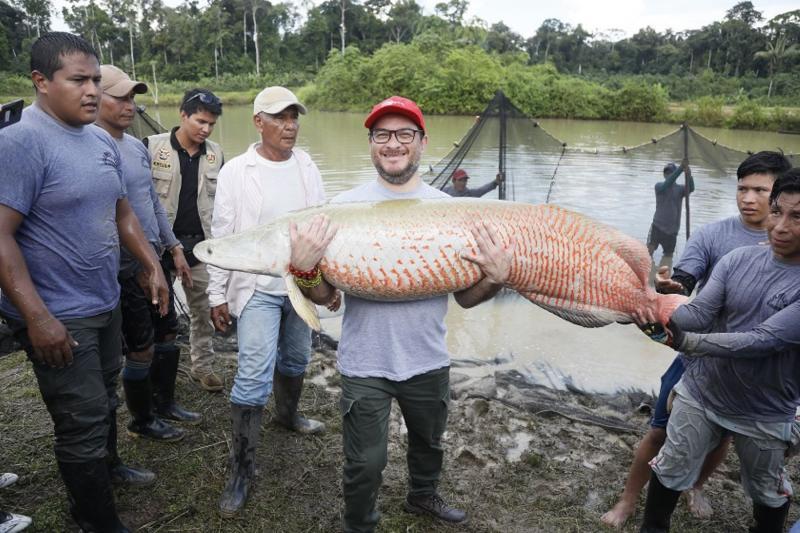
x,y
166,168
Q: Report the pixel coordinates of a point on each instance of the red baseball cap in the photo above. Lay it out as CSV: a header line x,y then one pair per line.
x,y
460,174
399,105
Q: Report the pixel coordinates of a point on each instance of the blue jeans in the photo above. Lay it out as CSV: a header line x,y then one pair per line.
x,y
270,334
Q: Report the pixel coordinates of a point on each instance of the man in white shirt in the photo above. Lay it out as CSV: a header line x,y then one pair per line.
x,y
272,178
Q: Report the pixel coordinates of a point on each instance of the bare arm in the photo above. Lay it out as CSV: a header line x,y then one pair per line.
x,y
494,260
51,342
132,238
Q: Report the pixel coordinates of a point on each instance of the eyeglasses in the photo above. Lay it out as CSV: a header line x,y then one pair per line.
x,y
403,136
208,99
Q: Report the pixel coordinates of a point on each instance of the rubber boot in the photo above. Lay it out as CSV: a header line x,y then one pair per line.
x,y
119,472
769,519
242,461
658,509
139,399
91,498
163,371
286,391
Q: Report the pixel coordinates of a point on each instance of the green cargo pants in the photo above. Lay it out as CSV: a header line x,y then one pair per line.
x,y
366,404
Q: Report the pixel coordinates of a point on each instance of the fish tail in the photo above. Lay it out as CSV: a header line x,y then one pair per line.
x,y
666,305
304,307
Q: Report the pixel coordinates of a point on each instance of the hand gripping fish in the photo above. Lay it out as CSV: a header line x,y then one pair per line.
x,y
579,269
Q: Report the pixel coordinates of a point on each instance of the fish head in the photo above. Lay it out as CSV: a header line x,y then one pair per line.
x,y
260,250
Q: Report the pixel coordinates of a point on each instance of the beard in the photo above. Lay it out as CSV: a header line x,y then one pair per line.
x,y
401,176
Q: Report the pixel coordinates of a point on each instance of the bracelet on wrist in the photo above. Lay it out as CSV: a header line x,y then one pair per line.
x,y
304,274
305,283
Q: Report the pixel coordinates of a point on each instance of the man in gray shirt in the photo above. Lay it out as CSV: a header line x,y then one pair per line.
x,y
396,349
667,218
704,249
745,380
459,185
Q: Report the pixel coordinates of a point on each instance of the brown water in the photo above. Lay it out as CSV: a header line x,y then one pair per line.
x,y
546,348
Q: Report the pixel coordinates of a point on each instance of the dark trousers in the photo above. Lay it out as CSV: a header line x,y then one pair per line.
x,y
366,404
80,396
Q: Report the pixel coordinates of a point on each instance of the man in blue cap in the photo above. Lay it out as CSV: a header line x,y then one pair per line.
x,y
667,218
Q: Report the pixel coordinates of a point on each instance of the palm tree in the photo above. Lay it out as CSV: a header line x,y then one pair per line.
x,y
775,54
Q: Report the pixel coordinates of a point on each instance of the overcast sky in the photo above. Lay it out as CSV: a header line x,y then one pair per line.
x,y
525,16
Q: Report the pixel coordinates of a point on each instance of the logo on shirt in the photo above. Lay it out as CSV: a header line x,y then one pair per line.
x,y
163,154
211,158
109,159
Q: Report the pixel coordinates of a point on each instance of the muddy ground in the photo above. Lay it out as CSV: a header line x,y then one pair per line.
x,y
519,459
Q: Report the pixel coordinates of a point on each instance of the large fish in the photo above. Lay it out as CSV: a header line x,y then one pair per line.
x,y
577,268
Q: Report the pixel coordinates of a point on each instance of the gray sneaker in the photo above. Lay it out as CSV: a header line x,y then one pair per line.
x,y
11,523
434,505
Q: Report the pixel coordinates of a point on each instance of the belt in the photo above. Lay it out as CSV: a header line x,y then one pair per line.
x,y
190,236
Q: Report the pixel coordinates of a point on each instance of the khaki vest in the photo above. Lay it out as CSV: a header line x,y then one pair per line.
x,y
166,168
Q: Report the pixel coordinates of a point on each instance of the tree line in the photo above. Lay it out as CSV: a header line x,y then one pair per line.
x,y
241,42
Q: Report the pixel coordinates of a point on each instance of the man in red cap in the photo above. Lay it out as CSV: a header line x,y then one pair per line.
x,y
377,357
459,185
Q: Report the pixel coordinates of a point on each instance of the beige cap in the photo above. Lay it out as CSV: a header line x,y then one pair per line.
x,y
273,100
116,83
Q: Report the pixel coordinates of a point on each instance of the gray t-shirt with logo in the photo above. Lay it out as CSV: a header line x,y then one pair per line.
x,y
753,370
66,182
392,340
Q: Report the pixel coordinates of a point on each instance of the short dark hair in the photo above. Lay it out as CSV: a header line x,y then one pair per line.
x,y
788,182
198,100
47,50
765,162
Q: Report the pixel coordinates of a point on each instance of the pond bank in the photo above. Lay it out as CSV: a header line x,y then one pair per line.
x,y
519,458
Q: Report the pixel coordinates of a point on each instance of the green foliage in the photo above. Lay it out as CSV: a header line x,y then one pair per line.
x,y
638,101
748,115
706,111
15,85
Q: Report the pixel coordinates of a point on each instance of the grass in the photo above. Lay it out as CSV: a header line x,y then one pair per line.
x,y
571,473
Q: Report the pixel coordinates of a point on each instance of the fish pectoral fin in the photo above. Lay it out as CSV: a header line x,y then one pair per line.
x,y
586,317
304,307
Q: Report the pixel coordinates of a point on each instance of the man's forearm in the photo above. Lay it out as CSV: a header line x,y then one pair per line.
x,y
321,294
133,239
477,294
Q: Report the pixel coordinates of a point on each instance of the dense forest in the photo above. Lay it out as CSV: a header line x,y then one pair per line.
x,y
358,48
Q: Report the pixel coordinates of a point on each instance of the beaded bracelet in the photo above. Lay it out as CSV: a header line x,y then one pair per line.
x,y
306,283
304,274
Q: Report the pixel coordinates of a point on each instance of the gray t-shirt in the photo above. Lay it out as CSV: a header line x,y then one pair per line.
x,y
753,370
144,201
669,201
712,242
66,182
392,340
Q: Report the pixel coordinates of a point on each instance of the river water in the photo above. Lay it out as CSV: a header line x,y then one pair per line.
x,y
508,328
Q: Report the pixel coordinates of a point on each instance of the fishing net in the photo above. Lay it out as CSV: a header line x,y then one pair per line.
x,y
613,185
144,125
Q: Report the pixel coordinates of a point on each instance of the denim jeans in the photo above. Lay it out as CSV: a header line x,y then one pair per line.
x,y
271,335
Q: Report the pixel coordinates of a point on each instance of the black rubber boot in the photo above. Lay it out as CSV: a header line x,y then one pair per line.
x,y
139,398
658,509
769,519
242,460
286,391
163,371
91,498
119,472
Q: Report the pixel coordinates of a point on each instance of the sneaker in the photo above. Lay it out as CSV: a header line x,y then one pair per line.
x,y
11,523
207,379
434,505
7,479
